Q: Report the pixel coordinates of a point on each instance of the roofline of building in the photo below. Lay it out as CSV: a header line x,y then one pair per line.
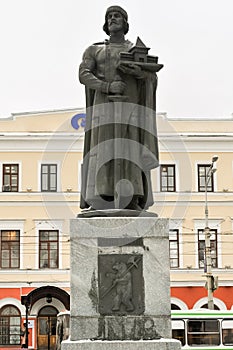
x,y
49,111
201,119
164,135
82,109
197,118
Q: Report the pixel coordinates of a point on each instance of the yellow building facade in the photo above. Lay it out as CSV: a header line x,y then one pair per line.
x,y
40,162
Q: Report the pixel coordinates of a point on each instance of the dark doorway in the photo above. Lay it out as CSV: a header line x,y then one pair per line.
x,y
46,331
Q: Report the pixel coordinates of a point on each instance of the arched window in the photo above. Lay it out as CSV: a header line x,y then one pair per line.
x,y
205,306
175,307
10,320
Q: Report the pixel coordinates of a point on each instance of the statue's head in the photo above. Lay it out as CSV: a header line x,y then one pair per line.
x,y
122,12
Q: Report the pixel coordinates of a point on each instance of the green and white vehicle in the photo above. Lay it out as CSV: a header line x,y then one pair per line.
x,y
203,329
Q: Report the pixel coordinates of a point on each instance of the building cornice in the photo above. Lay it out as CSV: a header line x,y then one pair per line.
x,y
73,141
173,135
222,283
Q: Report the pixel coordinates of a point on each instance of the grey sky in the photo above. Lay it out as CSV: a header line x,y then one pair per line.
x,y
42,42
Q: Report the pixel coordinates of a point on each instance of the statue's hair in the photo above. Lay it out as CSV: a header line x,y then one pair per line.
x,y
124,15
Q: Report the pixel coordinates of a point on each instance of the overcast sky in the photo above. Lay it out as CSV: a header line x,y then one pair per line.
x,y
42,41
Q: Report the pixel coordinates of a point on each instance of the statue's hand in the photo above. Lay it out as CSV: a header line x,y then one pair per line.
x,y
117,87
132,69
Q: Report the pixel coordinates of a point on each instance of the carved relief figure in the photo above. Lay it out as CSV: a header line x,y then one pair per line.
x,y
121,287
123,283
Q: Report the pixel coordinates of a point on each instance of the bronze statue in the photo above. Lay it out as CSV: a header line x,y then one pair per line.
x,y
120,146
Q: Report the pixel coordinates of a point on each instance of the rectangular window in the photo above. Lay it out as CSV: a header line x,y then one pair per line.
x,y
213,246
49,177
48,249
167,178
178,331
203,332
202,173
227,332
10,178
10,245
174,248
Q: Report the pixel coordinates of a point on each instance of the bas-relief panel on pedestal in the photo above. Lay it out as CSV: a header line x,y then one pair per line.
x,y
121,285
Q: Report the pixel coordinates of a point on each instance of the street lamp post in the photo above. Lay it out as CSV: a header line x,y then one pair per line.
x,y
208,261
25,301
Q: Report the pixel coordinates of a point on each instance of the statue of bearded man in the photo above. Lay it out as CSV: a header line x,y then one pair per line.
x,y
120,146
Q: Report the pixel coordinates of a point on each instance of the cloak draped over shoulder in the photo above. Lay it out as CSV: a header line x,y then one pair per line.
x,y
120,146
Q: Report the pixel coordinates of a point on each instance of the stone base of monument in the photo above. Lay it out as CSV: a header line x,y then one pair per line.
x,y
161,344
120,284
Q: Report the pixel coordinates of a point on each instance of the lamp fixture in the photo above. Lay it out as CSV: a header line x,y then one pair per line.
x,y
49,298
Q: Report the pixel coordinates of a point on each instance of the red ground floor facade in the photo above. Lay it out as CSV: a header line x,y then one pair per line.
x,y
196,297
41,306
38,307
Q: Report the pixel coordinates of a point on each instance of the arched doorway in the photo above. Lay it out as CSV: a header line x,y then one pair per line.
x,y
46,330
35,302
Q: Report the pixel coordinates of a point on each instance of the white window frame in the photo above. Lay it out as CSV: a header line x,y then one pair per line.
x,y
19,163
204,162
213,224
17,225
176,224
80,163
49,225
58,163
177,175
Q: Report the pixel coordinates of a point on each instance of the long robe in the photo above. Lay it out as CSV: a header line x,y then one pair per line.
x,y
120,146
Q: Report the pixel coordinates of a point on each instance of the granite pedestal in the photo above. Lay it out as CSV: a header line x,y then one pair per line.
x,y
120,284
